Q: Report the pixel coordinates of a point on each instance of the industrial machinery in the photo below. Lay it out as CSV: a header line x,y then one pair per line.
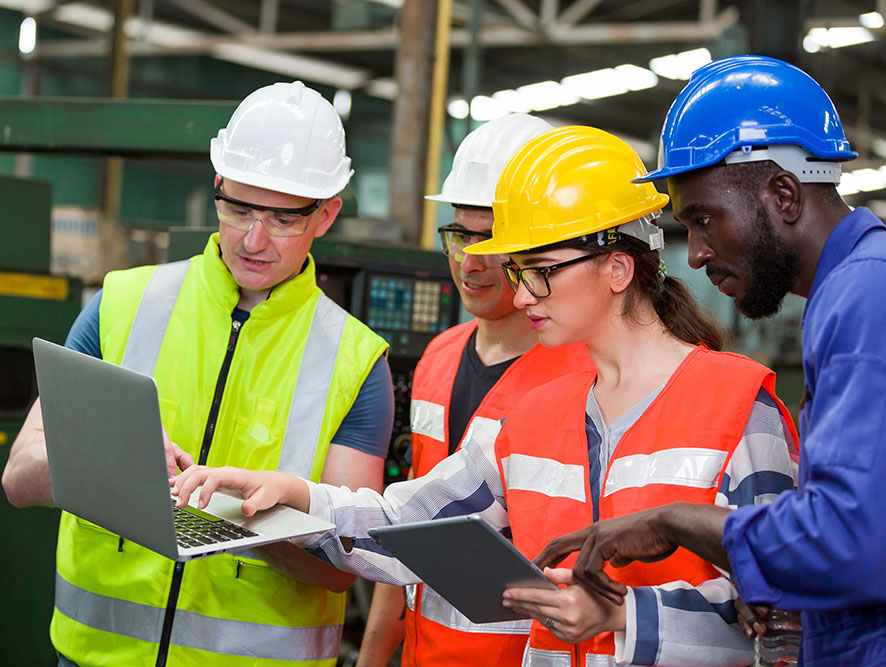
x,y
32,303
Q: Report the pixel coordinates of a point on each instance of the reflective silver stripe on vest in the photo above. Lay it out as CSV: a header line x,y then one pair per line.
x,y
152,316
681,466
537,657
312,389
191,630
436,609
546,476
426,418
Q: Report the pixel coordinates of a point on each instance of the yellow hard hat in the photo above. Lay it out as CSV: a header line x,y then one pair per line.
x,y
565,183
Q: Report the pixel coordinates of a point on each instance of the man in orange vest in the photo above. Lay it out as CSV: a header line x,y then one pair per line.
x,y
470,373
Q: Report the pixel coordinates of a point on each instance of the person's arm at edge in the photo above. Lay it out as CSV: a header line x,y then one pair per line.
x,y
26,476
386,625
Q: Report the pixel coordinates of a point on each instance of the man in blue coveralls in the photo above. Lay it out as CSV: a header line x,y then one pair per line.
x,y
752,150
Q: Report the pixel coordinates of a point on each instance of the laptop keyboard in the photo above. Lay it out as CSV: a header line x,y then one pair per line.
x,y
194,527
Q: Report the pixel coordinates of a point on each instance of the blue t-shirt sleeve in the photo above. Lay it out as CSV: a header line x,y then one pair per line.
x,y
367,426
84,334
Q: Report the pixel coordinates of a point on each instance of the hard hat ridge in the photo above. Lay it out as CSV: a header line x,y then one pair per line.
x,y
284,137
482,155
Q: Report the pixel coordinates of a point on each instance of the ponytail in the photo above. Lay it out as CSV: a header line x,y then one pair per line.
x,y
684,318
674,304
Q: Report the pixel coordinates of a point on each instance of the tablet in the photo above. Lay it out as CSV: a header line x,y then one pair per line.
x,y
466,561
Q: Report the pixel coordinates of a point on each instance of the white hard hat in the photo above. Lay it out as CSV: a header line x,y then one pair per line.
x,y
482,156
285,138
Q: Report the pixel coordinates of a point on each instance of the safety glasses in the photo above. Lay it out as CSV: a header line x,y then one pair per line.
x,y
277,221
536,278
454,238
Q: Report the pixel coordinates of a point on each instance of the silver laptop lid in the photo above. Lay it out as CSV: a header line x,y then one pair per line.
x,y
102,428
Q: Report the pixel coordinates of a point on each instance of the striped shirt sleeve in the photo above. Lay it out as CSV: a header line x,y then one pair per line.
x,y
680,624
467,482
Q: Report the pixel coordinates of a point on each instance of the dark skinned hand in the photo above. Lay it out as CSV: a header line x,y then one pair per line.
x,y
752,618
620,541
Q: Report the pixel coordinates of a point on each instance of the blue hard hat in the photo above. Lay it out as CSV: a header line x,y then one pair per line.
x,y
746,101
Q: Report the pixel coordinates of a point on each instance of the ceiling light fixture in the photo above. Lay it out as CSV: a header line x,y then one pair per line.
x,y
680,66
27,36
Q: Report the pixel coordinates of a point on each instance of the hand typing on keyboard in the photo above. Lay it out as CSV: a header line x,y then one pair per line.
x,y
260,489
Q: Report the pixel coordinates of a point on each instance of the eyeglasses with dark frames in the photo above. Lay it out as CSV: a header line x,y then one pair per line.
x,y
536,278
454,239
242,215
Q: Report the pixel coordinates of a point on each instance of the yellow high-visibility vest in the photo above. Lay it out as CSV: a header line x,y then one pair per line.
x,y
297,367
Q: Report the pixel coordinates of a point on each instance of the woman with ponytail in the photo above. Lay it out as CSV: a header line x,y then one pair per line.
x,y
666,416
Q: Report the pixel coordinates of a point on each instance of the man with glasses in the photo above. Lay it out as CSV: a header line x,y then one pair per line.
x,y
468,376
255,367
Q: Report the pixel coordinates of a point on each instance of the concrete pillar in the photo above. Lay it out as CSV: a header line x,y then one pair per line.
x,y
411,115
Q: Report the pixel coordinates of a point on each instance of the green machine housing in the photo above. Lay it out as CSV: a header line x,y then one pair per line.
x,y
32,303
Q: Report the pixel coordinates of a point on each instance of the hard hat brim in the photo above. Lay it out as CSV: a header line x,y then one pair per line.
x,y
493,247
458,202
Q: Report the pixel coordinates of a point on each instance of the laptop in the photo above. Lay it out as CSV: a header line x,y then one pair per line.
x,y
107,464
466,561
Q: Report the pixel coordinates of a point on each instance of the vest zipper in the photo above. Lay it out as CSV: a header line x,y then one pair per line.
x,y
179,570
219,390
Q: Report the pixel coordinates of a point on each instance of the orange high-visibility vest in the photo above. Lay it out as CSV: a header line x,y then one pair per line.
x,y
436,633
677,450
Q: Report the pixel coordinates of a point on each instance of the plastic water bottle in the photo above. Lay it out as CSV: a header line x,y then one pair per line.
x,y
781,643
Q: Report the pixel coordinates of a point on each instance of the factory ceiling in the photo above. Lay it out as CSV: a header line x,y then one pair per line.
x,y
615,51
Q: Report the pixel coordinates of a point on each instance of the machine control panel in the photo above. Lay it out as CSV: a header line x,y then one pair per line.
x,y
408,311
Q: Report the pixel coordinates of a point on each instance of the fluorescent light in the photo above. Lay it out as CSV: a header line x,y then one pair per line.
x,y
341,101
835,38
484,108
458,108
597,84
547,95
868,180
637,78
680,66
27,35
840,37
512,101
847,185
811,43
872,20
862,180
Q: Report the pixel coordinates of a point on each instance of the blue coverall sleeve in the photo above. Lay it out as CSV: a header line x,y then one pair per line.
x,y
822,547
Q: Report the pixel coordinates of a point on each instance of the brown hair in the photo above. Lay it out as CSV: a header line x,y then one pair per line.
x,y
674,304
